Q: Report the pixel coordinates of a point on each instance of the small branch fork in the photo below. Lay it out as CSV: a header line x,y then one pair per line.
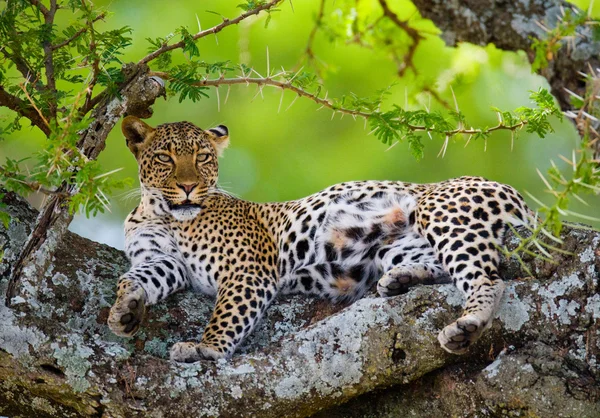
x,y
414,35
309,53
77,34
214,30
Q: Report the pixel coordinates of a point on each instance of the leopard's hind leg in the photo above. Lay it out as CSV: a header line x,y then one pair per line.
x,y
465,223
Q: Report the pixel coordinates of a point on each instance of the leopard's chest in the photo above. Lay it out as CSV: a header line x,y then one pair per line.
x,y
214,248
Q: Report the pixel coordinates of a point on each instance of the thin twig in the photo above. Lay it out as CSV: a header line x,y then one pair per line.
x,y
40,6
24,109
49,58
414,34
96,59
77,34
23,87
33,186
214,30
309,54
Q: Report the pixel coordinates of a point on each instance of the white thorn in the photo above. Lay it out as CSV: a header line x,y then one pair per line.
x,y
199,25
573,94
294,76
512,139
392,146
444,147
268,63
280,101
293,101
227,95
454,97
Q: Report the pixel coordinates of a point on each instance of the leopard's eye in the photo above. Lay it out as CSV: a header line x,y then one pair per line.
x,y
202,158
164,158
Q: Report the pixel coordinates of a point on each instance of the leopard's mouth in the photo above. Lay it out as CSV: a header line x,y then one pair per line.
x,y
186,204
184,211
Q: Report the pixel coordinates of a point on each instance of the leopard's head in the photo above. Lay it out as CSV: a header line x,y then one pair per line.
x,y
177,162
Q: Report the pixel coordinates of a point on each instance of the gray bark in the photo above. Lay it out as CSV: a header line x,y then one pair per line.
x,y
512,26
61,360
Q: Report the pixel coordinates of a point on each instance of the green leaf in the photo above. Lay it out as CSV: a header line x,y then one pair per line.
x,y
415,146
189,44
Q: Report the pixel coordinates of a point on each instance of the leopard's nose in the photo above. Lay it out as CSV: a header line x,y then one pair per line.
x,y
187,188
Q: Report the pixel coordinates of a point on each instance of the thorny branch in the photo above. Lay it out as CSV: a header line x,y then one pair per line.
x,y
214,30
327,103
16,56
24,109
43,9
33,186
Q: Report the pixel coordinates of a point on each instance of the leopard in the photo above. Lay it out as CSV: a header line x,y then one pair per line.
x,y
337,244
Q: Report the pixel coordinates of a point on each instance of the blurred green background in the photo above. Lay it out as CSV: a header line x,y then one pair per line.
x,y
292,153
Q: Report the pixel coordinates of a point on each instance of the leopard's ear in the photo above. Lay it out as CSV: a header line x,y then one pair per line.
x,y
220,138
137,133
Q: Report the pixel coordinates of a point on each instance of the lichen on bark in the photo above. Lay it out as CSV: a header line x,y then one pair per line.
x,y
307,355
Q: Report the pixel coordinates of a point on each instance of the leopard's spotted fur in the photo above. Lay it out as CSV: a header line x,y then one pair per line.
x,y
335,244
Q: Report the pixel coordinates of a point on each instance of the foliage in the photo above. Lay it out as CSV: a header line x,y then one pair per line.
x,y
55,78
53,73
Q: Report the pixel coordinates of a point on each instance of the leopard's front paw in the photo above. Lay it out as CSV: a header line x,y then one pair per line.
x,y
191,352
458,336
127,313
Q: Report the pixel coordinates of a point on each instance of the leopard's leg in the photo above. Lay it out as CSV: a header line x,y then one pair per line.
x,y
467,247
483,288
408,261
144,284
241,302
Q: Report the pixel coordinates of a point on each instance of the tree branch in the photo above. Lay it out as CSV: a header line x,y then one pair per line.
x,y
215,29
24,109
21,63
95,63
40,6
49,58
513,29
324,102
305,356
136,95
411,32
77,34
33,186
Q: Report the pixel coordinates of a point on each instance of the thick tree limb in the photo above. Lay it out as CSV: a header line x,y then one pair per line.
x,y
513,28
306,356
